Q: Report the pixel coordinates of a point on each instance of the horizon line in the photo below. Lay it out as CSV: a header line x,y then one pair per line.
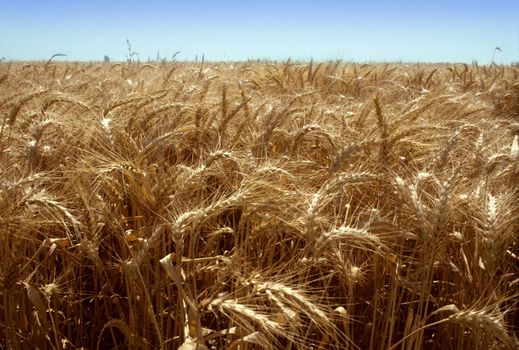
x,y
259,60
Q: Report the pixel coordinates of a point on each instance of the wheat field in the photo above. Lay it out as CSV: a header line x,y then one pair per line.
x,y
259,205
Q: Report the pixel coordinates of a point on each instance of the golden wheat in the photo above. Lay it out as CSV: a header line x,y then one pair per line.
x,y
258,205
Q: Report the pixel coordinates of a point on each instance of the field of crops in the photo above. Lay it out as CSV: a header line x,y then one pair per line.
x,y
259,205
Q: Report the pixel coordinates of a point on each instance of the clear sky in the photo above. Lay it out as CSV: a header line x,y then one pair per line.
x,y
359,30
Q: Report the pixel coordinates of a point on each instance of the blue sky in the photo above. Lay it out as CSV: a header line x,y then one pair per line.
x,y
361,30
